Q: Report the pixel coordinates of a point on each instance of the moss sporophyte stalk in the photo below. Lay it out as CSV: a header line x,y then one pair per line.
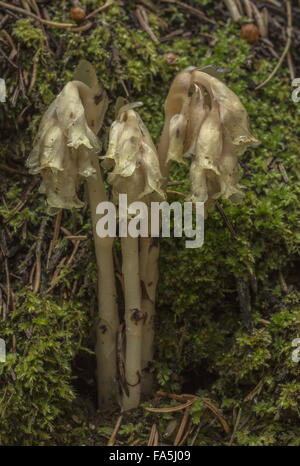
x,y
206,128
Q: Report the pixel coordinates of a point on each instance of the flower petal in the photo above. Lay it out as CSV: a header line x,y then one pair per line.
x,y
84,164
209,142
71,116
60,186
232,112
136,167
177,130
229,172
196,115
150,163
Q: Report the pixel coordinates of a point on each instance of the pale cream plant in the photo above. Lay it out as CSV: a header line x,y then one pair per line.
x,y
206,126
136,172
64,153
207,122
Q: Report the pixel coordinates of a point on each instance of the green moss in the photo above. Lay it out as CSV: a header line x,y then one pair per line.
x,y
37,375
27,34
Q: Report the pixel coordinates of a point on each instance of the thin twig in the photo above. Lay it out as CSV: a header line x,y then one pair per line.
x,y
172,35
289,31
22,203
82,28
226,220
14,51
192,442
174,396
56,276
77,238
8,59
171,191
37,278
32,15
217,412
248,7
174,183
101,8
55,236
143,20
172,409
182,426
235,426
155,440
192,399
260,20
189,430
152,435
113,436
192,9
282,282
233,9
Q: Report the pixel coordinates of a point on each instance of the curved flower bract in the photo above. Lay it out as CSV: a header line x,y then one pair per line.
x,y
65,141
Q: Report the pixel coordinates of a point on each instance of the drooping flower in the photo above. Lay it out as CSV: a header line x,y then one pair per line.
x,y
233,114
66,139
176,119
136,169
206,121
204,170
230,172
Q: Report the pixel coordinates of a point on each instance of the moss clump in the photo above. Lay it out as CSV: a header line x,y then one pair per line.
x,y
27,34
42,338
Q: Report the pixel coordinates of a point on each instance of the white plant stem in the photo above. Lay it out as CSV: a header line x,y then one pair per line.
x,y
108,320
149,254
133,321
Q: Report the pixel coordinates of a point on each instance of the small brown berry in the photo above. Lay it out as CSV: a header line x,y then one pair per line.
x,y
77,14
250,33
170,58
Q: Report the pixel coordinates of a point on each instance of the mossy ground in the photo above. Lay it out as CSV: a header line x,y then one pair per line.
x,y
207,342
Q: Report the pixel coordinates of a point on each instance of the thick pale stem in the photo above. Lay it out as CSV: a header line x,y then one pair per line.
x,y
108,321
149,254
134,321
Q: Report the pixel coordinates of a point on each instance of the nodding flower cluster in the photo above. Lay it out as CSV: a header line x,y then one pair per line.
x,y
206,122
133,155
66,140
